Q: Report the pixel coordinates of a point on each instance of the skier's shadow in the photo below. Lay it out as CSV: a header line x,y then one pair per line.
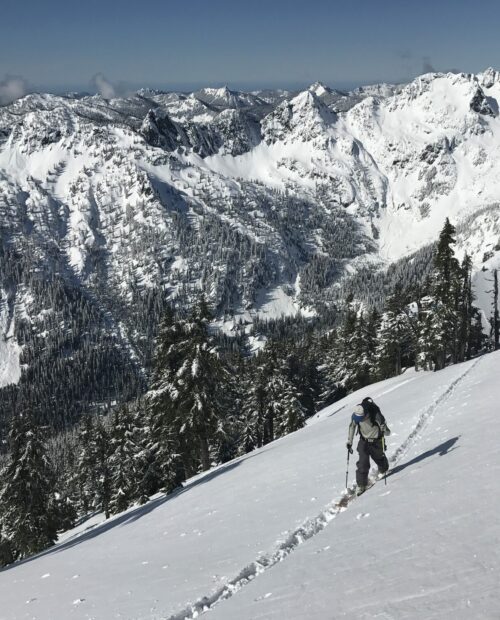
x,y
444,448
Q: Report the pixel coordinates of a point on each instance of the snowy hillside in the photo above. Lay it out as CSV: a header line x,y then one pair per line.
x,y
263,537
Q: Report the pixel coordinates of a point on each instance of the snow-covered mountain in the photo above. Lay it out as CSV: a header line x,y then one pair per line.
x,y
267,201
263,536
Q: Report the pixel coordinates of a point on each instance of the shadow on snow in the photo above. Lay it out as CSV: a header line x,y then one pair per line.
x,y
444,448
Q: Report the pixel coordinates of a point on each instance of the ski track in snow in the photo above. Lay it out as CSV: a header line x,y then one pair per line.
x,y
396,387
311,526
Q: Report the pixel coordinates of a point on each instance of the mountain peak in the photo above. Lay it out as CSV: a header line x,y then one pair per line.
x,y
224,97
304,117
489,77
319,89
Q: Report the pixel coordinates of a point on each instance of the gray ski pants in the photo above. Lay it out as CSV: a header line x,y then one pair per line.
x,y
367,449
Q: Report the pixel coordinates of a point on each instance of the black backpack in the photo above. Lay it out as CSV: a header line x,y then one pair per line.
x,y
371,409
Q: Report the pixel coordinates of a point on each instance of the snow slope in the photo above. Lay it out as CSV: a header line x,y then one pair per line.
x,y
10,351
424,546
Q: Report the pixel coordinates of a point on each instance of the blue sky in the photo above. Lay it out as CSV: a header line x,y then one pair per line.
x,y
62,44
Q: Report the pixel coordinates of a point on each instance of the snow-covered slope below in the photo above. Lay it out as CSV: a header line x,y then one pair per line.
x,y
262,537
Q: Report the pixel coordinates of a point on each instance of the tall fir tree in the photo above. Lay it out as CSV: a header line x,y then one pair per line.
x,y
253,406
93,469
495,316
445,289
197,388
27,523
189,391
84,477
122,461
396,336
163,446
445,264
282,410
465,310
148,470
342,356
426,344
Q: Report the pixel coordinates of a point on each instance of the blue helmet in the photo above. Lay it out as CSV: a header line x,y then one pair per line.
x,y
358,414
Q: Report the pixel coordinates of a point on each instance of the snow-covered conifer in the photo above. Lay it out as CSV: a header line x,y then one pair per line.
x,y
122,461
93,466
27,523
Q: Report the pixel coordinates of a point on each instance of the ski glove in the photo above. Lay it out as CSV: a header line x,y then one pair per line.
x,y
349,448
386,431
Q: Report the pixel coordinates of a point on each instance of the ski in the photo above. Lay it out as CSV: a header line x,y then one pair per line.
x,y
352,492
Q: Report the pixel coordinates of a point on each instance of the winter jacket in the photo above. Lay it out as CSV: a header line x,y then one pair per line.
x,y
367,430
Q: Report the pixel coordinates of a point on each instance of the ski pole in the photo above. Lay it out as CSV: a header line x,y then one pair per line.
x,y
383,448
347,470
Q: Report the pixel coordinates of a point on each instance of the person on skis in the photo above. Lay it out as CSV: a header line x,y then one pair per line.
x,y
368,420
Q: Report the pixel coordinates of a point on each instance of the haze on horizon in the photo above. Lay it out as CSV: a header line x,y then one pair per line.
x,y
100,46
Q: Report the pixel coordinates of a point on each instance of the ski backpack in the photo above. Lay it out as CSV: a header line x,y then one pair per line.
x,y
371,409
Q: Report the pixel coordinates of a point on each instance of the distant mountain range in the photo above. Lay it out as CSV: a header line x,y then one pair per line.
x,y
267,201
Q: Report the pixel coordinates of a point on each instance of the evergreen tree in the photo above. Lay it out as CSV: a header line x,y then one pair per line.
x,y
331,390
93,467
426,345
122,461
465,309
371,340
228,433
445,288
27,523
85,466
282,410
342,357
190,392
445,264
65,500
254,407
162,464
360,354
495,317
476,335
396,337
291,416
149,479
301,358
102,447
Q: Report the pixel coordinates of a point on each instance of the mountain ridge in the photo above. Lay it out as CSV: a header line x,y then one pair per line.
x,y
269,204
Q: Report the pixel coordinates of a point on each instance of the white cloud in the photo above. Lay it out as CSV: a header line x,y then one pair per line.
x,y
103,86
11,88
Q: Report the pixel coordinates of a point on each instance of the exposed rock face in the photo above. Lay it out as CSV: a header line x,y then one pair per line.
x,y
479,103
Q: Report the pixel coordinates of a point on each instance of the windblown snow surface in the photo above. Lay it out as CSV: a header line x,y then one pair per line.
x,y
263,537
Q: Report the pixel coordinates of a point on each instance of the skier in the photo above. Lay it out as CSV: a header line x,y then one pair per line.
x,y
371,425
